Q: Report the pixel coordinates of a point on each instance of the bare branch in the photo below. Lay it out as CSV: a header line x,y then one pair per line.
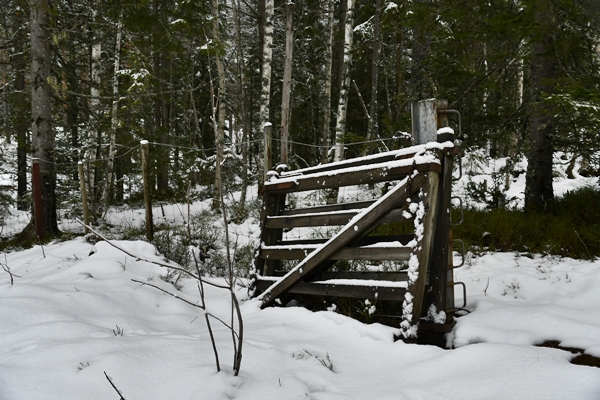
x,y
170,294
114,387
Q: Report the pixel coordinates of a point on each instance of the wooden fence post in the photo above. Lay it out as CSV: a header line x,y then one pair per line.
x,y
147,194
38,208
267,161
84,200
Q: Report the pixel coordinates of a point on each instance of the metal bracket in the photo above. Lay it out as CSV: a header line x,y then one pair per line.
x,y
464,292
462,253
462,213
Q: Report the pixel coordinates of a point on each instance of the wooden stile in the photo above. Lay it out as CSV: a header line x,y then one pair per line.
x,y
421,174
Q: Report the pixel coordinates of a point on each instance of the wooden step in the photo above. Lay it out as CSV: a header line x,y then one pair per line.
x,y
333,218
394,276
376,290
371,253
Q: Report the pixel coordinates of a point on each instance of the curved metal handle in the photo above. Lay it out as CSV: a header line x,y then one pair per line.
x,y
462,213
462,253
464,293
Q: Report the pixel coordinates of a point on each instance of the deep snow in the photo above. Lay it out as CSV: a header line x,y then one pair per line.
x,y
60,327
59,334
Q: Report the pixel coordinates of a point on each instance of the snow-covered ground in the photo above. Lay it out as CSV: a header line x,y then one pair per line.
x,y
60,327
74,313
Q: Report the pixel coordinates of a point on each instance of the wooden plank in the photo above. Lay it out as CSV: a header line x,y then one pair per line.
x,y
423,253
348,253
329,207
359,161
367,240
341,290
272,204
438,294
356,228
349,178
326,219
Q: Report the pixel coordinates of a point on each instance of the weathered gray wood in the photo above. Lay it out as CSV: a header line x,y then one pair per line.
x,y
329,207
396,276
365,241
342,290
356,228
423,248
325,219
393,276
348,178
348,253
357,162
440,256
272,204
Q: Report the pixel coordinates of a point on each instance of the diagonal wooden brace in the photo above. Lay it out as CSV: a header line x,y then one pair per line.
x,y
358,226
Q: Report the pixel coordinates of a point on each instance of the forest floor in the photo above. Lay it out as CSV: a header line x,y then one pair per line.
x,y
73,314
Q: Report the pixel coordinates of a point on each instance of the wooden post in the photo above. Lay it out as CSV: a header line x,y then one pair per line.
x,y
424,124
268,149
147,194
84,200
38,208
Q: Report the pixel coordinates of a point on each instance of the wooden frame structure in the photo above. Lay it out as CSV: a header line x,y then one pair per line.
x,y
419,180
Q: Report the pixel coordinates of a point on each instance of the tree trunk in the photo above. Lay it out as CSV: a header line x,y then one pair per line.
x,y
94,134
512,145
327,95
265,91
242,105
340,128
220,129
287,83
41,112
372,128
113,123
20,108
539,193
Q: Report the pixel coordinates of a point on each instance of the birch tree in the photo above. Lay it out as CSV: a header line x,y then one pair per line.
x,y
220,122
267,56
94,131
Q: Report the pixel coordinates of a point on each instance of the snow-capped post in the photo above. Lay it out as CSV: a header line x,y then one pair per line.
x,y
84,199
268,129
38,208
147,194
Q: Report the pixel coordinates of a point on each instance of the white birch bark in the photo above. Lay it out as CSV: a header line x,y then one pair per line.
x,y
242,105
265,91
220,122
340,128
92,144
